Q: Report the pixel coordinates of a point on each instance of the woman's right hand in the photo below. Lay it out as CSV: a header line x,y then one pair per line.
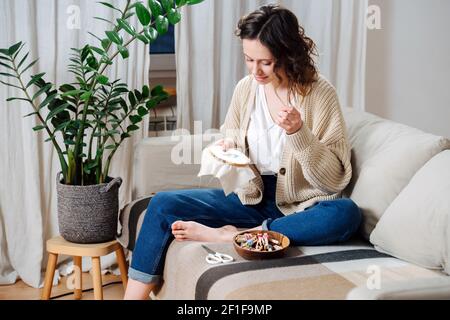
x,y
225,144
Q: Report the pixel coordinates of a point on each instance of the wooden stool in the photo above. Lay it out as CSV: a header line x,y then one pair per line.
x,y
58,245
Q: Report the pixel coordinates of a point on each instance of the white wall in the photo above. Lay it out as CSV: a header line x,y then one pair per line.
x,y
408,64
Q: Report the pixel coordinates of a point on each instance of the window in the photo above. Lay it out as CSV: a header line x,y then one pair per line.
x,y
163,71
162,52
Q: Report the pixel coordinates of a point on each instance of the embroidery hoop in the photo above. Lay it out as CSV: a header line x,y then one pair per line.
x,y
232,157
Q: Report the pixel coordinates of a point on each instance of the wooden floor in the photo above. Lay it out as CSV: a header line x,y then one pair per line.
x,y
21,291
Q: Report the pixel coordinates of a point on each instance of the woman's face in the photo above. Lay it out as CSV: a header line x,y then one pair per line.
x,y
260,61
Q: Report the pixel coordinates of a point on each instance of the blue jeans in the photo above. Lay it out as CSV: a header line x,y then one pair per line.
x,y
324,223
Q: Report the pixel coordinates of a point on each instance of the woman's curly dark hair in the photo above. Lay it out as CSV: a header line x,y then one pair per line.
x,y
278,29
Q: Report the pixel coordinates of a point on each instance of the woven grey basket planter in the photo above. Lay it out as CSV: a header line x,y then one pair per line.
x,y
88,214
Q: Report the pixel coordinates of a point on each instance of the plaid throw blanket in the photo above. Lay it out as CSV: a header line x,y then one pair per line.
x,y
321,272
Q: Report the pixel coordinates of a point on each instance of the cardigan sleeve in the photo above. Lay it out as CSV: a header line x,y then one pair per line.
x,y
323,150
231,128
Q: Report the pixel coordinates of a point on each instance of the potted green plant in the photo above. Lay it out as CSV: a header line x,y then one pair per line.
x,y
87,120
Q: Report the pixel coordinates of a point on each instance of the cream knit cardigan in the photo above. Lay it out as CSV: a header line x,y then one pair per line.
x,y
315,163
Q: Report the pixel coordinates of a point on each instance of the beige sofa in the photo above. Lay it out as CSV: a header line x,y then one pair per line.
x,y
388,158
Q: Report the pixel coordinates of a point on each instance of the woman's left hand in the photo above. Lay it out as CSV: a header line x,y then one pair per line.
x,y
290,119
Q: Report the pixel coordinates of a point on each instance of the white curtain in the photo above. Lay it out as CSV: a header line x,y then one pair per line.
x,y
210,60
28,166
338,27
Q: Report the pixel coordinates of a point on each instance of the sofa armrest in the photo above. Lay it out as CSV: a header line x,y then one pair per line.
x,y
423,289
168,163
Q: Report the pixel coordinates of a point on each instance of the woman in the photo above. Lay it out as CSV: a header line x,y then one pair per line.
x,y
301,162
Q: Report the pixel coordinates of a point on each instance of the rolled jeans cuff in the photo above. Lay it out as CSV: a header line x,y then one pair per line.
x,y
143,277
266,223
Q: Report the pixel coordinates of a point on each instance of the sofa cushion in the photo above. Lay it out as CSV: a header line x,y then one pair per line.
x,y
416,226
169,163
385,156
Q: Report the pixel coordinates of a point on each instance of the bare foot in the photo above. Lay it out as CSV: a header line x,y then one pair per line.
x,y
193,231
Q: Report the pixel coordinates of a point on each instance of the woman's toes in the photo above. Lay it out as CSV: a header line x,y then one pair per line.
x,y
180,238
178,225
178,232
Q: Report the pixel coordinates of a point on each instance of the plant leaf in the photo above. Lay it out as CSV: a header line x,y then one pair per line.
x,y
10,85
152,103
167,4
4,51
101,19
174,16
125,135
35,79
18,51
12,99
14,48
7,74
47,100
103,79
72,93
162,25
124,106
93,63
132,98
84,53
106,60
123,52
192,2
110,6
66,87
114,37
86,96
29,66
143,14
151,34
132,127
42,90
22,61
40,127
155,7
142,111
145,92
69,142
142,38
55,111
31,114
106,43
125,25
6,66
138,95
128,15
157,90
180,3
98,50
62,125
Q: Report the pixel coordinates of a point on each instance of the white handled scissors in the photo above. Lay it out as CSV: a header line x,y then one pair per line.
x,y
216,257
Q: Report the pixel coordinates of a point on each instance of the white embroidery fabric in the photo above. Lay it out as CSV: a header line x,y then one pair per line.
x,y
231,177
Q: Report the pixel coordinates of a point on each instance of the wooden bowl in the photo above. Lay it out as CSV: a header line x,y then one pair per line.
x,y
259,255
